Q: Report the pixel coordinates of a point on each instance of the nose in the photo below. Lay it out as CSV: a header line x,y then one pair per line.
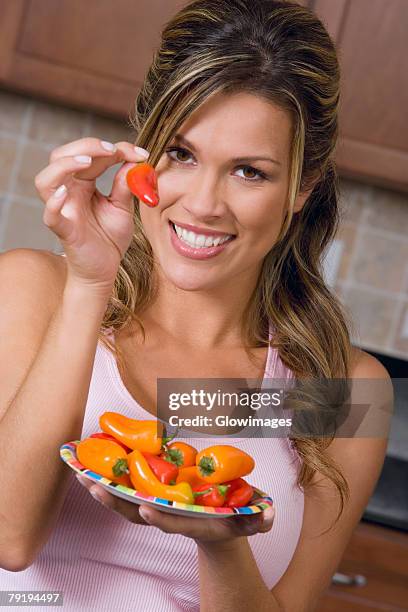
x,y
204,199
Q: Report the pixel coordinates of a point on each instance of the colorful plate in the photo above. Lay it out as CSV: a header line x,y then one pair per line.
x,y
260,500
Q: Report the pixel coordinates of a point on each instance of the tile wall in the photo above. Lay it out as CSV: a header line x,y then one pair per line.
x,y
367,264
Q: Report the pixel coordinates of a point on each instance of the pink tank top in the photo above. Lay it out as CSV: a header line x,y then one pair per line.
x,y
101,561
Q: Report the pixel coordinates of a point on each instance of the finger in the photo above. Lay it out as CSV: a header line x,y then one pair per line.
x,y
268,519
123,151
170,523
103,153
53,216
58,173
127,509
86,165
89,146
120,193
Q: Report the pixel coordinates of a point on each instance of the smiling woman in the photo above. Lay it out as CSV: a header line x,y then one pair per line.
x,y
222,279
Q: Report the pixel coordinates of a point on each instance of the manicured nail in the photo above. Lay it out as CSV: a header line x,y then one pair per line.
x,y
83,159
268,516
108,146
142,152
145,514
60,192
96,496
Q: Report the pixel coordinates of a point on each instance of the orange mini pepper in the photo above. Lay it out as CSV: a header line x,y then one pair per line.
x,y
143,435
180,453
144,479
106,458
142,182
190,474
220,463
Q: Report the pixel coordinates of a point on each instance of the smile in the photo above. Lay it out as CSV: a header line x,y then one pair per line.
x,y
187,243
199,241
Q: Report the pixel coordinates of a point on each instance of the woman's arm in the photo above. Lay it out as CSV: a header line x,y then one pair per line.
x,y
229,577
48,406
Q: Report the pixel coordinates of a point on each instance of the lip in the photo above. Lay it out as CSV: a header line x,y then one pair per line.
x,y
187,251
201,230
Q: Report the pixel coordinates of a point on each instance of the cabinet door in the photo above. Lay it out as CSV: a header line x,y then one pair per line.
x,y
380,554
371,37
89,53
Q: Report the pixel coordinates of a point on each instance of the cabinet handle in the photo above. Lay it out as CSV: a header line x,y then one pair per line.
x,y
349,580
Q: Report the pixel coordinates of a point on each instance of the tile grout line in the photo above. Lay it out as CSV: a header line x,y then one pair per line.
x,y
372,290
362,227
21,143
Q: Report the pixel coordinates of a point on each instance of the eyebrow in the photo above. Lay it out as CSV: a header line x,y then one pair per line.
x,y
181,139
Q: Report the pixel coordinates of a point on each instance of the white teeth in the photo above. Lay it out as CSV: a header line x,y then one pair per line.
x,y
199,241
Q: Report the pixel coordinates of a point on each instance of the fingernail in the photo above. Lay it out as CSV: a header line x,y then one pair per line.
x,y
142,152
108,146
81,479
96,496
83,159
61,191
267,519
145,514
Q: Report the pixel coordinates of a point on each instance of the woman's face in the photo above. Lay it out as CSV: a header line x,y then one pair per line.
x,y
201,184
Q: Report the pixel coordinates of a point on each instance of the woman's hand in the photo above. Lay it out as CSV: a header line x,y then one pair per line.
x,y
201,530
95,230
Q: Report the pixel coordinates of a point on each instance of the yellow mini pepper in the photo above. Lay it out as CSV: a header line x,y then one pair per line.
x,y
144,479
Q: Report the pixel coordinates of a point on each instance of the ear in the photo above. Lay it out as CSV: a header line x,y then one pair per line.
x,y
302,196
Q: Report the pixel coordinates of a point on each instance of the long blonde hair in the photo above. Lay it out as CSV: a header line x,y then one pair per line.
x,y
281,52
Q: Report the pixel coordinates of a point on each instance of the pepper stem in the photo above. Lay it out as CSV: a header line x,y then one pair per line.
x,y
166,439
120,467
196,493
206,465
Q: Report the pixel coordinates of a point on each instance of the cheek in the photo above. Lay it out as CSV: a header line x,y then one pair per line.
x,y
262,216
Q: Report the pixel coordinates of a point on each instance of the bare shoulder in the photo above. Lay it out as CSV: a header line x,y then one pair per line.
x,y
365,365
36,269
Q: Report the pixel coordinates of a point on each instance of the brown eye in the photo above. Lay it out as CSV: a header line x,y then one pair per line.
x,y
178,151
245,168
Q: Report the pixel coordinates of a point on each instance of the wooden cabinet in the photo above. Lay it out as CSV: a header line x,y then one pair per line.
x,y
371,38
381,556
95,54
90,54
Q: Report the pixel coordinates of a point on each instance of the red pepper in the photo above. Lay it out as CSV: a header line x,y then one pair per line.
x,y
210,495
163,470
105,436
142,182
239,493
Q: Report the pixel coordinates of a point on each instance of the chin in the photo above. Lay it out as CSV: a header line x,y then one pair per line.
x,y
188,281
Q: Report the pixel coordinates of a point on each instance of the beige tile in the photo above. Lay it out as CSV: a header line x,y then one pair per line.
x,y
380,261
400,340
34,159
12,110
347,234
8,147
353,198
111,130
25,229
55,125
372,315
388,210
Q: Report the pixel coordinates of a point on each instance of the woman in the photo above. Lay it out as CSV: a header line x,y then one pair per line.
x,y
238,113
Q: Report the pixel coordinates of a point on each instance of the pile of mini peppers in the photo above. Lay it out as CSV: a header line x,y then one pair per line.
x,y
138,454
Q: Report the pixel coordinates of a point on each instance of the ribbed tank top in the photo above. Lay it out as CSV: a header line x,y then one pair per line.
x,y
101,561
